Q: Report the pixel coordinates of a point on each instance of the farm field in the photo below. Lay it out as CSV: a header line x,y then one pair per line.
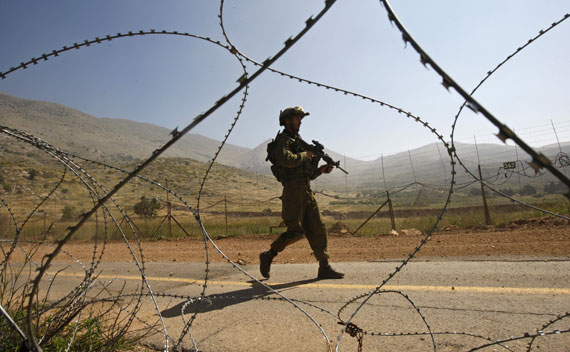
x,y
520,239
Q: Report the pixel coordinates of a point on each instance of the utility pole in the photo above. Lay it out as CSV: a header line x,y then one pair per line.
x,y
257,187
442,163
345,178
412,164
559,147
416,185
383,174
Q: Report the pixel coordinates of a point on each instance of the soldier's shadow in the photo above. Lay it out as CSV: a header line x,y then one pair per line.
x,y
217,302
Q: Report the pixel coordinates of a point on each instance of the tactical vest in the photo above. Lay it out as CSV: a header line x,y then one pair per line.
x,y
307,170
271,157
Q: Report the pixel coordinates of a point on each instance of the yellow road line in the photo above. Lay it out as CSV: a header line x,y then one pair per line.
x,y
469,289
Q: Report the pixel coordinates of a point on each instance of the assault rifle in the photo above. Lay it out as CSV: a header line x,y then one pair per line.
x,y
319,150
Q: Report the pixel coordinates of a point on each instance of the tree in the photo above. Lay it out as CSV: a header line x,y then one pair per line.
x,y
32,173
507,191
68,213
146,207
528,190
5,186
475,192
554,187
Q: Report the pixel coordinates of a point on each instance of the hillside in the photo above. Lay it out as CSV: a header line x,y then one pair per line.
x,y
119,139
101,138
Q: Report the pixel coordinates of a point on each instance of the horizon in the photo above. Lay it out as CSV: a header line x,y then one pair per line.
x,y
167,81
565,129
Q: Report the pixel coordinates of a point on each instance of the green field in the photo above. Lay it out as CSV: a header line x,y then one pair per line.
x,y
250,201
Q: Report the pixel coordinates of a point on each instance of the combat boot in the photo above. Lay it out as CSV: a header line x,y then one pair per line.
x,y
327,272
265,259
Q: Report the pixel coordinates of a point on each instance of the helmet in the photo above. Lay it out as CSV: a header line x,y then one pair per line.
x,y
295,110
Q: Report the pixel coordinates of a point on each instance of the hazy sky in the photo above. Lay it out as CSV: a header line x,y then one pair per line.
x,y
169,80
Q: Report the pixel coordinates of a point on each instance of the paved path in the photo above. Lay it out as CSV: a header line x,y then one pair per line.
x,y
495,299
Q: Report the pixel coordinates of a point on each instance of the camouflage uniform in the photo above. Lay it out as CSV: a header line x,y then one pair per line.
x,y
292,166
300,211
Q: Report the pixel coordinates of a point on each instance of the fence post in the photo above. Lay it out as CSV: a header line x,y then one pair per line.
x,y
487,216
518,172
169,209
485,207
391,211
226,212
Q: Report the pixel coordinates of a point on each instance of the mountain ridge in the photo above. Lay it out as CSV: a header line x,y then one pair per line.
x,y
102,137
60,125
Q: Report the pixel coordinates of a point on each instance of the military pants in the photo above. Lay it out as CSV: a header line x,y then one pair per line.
x,y
302,217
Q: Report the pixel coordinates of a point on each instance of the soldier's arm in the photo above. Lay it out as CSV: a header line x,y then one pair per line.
x,y
324,169
285,157
314,174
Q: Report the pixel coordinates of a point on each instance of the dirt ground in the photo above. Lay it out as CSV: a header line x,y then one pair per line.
x,y
527,238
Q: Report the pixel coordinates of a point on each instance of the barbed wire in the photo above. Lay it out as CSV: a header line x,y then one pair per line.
x,y
544,327
562,159
539,160
522,337
76,169
505,132
558,159
36,141
243,82
72,305
400,111
408,114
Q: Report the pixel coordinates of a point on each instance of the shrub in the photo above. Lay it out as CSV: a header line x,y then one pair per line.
x,y
10,340
32,173
146,207
88,335
555,187
68,213
507,191
528,190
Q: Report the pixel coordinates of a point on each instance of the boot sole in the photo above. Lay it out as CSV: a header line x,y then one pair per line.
x,y
260,271
330,277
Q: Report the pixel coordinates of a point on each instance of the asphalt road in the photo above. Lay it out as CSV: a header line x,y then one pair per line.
x,y
493,299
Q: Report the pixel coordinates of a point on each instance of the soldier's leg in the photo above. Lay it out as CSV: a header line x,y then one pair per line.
x,y
316,233
315,230
293,204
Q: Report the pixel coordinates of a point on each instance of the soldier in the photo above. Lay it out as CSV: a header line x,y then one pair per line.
x,y
294,168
